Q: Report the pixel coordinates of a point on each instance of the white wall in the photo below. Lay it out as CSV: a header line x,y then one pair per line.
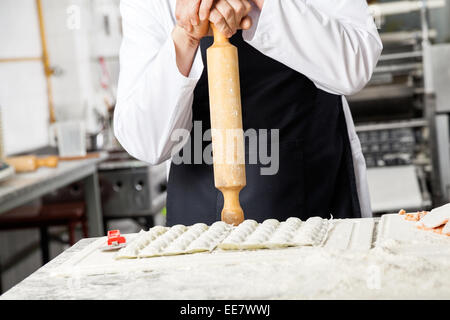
x,y
73,50
23,97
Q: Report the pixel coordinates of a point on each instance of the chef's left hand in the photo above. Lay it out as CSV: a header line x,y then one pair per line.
x,y
437,217
230,15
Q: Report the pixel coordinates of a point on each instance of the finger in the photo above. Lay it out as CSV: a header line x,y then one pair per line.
x,y
248,7
205,9
239,9
220,23
228,13
246,23
193,13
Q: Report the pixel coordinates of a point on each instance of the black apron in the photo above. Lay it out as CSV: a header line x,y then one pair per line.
x,y
315,176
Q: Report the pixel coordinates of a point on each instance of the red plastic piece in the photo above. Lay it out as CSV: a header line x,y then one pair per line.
x,y
114,238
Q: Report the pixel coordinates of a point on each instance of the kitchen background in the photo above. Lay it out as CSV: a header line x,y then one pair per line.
x,y
59,59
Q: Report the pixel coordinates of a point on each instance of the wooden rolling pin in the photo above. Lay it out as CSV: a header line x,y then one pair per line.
x,y
226,125
31,163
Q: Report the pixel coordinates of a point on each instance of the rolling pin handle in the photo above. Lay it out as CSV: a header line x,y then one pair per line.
x,y
232,212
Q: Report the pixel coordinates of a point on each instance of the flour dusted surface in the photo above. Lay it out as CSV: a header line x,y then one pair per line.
x,y
293,273
347,266
316,273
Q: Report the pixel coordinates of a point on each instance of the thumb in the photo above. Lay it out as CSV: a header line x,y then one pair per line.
x,y
246,23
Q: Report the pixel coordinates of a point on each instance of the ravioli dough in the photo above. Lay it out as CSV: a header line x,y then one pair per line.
x,y
272,234
249,235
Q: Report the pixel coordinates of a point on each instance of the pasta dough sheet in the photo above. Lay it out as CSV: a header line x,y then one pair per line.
x,y
274,234
179,239
250,235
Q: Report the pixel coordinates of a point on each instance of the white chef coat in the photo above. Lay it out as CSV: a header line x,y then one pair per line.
x,y
334,43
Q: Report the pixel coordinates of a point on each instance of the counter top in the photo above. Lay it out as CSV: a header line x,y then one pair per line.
x,y
293,273
25,187
43,180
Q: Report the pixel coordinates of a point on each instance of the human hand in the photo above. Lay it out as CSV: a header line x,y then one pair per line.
x,y
230,15
227,15
192,17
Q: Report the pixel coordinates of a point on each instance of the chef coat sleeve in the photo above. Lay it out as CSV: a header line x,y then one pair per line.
x,y
154,98
334,43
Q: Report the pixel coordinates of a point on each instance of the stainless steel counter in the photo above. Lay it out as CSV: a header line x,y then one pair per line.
x,y
24,187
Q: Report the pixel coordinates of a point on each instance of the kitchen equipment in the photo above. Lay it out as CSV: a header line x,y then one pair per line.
x,y
6,171
95,141
389,147
397,116
101,139
71,138
131,188
32,163
226,125
87,156
395,187
115,241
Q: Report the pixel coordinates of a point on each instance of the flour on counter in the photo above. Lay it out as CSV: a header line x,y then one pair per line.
x,y
400,236
360,258
292,273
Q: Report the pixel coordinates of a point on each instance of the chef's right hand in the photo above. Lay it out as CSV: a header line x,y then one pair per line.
x,y
227,15
230,15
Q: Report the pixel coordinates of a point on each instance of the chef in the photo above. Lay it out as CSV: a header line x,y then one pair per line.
x,y
297,58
